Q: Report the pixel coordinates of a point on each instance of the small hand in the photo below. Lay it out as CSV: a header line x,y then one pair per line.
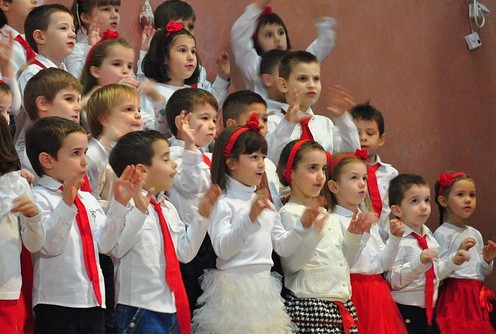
x,y
146,37
340,101
6,45
187,133
71,187
128,184
489,251
361,223
467,243
208,200
427,256
461,256
94,31
313,215
142,201
396,227
148,88
223,65
24,206
130,82
293,115
261,203
27,175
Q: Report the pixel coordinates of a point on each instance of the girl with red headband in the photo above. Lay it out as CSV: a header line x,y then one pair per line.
x,y
317,274
347,190
260,30
463,304
242,296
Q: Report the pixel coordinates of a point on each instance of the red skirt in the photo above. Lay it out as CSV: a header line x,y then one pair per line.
x,y
9,316
462,307
376,310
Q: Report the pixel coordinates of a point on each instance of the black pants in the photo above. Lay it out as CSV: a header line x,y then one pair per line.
x,y
416,320
53,319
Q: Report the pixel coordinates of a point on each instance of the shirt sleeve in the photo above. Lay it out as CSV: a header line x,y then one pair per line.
x,y
322,46
76,60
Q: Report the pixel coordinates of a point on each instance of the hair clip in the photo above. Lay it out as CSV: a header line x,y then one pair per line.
x,y
173,27
446,179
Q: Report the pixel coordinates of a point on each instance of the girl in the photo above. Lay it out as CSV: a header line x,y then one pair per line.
x,y
376,310
259,30
172,61
19,225
91,17
241,296
317,274
463,305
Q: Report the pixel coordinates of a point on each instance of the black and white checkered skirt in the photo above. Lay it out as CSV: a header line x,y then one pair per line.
x,y
312,315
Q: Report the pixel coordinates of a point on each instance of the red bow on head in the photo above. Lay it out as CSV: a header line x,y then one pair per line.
x,y
107,34
446,179
252,124
359,153
173,27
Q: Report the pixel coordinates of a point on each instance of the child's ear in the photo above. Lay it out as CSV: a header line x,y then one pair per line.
x,y
95,71
442,201
230,122
46,160
396,211
85,18
282,85
382,139
4,5
141,168
333,186
231,163
39,37
41,103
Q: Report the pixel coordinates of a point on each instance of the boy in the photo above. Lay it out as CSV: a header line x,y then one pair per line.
x,y
416,271
51,92
299,81
69,294
370,124
50,32
269,73
148,295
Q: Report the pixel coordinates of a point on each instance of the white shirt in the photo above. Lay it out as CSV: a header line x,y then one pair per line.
x,y
243,246
407,277
14,228
246,57
341,136
60,276
319,268
76,60
275,186
376,256
140,260
32,69
449,237
18,57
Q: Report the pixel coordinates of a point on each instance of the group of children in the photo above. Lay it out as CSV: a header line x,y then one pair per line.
x,y
163,204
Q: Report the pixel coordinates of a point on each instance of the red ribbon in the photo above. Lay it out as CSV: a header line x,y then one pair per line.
x,y
173,27
484,296
252,124
359,153
107,34
446,179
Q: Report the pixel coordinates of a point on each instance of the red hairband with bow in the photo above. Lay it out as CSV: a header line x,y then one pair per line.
x,y
291,157
173,27
107,34
446,179
359,153
252,124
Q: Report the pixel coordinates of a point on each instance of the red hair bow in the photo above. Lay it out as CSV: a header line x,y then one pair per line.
x,y
107,34
251,124
173,27
446,179
266,11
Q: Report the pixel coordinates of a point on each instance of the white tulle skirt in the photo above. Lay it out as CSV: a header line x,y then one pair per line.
x,y
240,304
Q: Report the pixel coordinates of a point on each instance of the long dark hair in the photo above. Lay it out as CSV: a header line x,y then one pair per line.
x,y
9,161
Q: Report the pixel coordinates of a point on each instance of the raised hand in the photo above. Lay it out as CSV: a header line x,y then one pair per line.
x,y
71,186
208,200
146,37
313,215
427,256
188,134
489,251
361,223
293,114
26,174
396,227
223,65
24,206
128,184
467,243
461,256
261,203
339,101
94,31
6,43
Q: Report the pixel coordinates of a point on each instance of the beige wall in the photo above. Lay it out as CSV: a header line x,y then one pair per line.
x,y
409,57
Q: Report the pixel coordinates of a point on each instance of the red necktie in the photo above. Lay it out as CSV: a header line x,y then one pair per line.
x,y
375,195
430,277
206,159
88,247
173,274
30,54
306,134
86,185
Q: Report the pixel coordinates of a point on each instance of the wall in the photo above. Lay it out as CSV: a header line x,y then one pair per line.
x,y
409,58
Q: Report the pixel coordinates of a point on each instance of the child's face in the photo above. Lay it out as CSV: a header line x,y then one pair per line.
x,y
160,175
117,65
461,201
123,117
60,36
17,9
370,138
71,158
182,60
261,111
350,188
65,104
415,208
272,36
305,79
6,106
248,169
308,178
203,120
108,16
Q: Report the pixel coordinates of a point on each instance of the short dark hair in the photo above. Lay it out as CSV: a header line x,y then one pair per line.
x,y
134,148
186,99
400,184
365,111
47,82
270,60
271,18
47,135
236,103
293,58
283,159
172,10
39,18
9,161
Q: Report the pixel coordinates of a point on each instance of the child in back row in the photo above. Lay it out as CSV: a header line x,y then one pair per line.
x,y
416,271
463,304
376,310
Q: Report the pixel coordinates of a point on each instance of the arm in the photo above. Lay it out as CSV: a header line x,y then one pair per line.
x,y
406,269
346,137
76,60
32,231
322,46
396,231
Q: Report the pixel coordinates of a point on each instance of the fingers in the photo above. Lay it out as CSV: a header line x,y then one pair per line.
x,y
24,206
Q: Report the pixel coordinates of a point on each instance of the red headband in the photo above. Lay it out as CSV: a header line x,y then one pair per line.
x,y
266,11
107,34
173,27
292,154
446,179
252,124
360,154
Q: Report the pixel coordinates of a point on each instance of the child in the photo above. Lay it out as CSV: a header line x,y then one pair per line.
x,y
370,124
375,307
19,225
13,13
299,80
269,74
259,30
91,18
50,92
172,62
50,32
460,308
149,287
244,230
317,275
68,283
10,97
416,273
